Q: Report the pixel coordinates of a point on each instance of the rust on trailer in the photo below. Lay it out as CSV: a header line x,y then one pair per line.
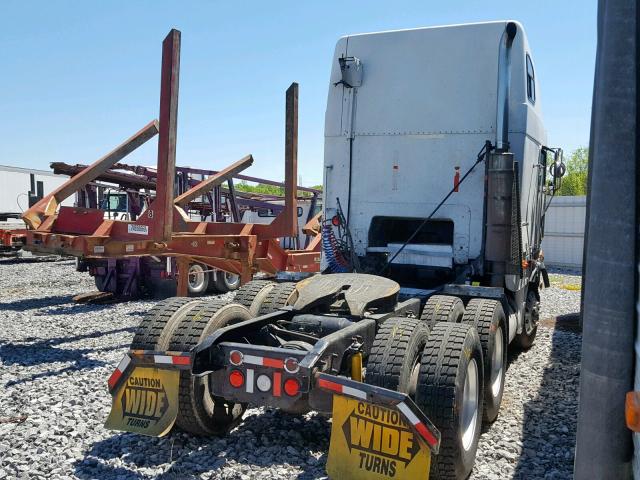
x,y
164,228
286,224
214,181
167,136
47,206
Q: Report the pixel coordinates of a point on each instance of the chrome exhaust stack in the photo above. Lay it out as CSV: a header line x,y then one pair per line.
x,y
499,251
504,82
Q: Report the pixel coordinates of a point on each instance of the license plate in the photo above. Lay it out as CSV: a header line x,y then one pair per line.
x,y
146,402
373,442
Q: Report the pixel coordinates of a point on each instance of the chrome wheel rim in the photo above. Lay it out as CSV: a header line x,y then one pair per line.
x,y
413,379
196,277
470,405
497,362
232,280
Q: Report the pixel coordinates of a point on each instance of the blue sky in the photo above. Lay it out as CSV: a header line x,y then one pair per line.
x,y
80,77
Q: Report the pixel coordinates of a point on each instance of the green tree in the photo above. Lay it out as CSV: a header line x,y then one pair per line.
x,y
575,180
243,186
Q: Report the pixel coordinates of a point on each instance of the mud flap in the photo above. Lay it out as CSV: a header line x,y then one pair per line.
x,y
377,433
145,393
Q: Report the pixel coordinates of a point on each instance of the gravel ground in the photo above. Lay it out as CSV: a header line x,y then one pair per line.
x,y
55,358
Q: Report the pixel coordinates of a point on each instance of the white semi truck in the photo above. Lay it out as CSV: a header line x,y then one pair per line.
x,y
437,177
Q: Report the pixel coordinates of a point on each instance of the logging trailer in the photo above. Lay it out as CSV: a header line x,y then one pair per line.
x,y
431,268
164,228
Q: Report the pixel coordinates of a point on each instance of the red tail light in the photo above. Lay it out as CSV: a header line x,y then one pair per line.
x,y
236,378
335,221
236,357
291,387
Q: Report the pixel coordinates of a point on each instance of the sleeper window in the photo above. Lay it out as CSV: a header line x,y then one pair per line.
x,y
531,81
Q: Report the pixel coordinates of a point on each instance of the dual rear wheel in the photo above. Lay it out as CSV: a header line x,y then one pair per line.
x,y
441,369
179,324
452,362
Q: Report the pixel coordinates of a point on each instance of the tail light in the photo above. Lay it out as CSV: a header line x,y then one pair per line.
x,y
236,378
291,365
335,221
236,357
291,387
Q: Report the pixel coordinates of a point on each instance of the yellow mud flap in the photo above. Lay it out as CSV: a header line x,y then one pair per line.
x,y
145,397
377,433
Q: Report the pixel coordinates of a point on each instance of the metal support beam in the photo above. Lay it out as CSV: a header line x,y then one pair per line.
x,y
214,181
232,201
49,204
291,162
183,276
168,135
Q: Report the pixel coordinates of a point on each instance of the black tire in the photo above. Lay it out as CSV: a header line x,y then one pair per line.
x,y
226,282
394,360
452,352
525,339
198,281
281,295
253,293
199,412
487,316
442,308
156,320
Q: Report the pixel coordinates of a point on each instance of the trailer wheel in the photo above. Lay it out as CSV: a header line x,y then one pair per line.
x,y
442,308
450,394
198,281
253,293
199,412
155,320
531,316
394,361
226,282
487,316
281,295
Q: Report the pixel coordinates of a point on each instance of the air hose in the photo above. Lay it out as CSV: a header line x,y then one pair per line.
x,y
335,259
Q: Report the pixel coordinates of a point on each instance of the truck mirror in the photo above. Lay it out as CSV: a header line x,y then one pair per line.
x,y
351,72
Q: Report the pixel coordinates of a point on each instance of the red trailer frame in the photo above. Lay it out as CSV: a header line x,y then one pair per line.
x,y
164,228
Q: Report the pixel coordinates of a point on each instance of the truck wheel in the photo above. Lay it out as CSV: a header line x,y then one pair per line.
x,y
198,279
226,282
253,293
281,295
531,316
199,412
394,361
487,316
442,308
156,319
450,394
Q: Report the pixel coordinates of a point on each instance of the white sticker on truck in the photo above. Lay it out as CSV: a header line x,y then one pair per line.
x,y
138,229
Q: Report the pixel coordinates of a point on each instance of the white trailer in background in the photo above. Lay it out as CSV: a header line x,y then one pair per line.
x,y
19,186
